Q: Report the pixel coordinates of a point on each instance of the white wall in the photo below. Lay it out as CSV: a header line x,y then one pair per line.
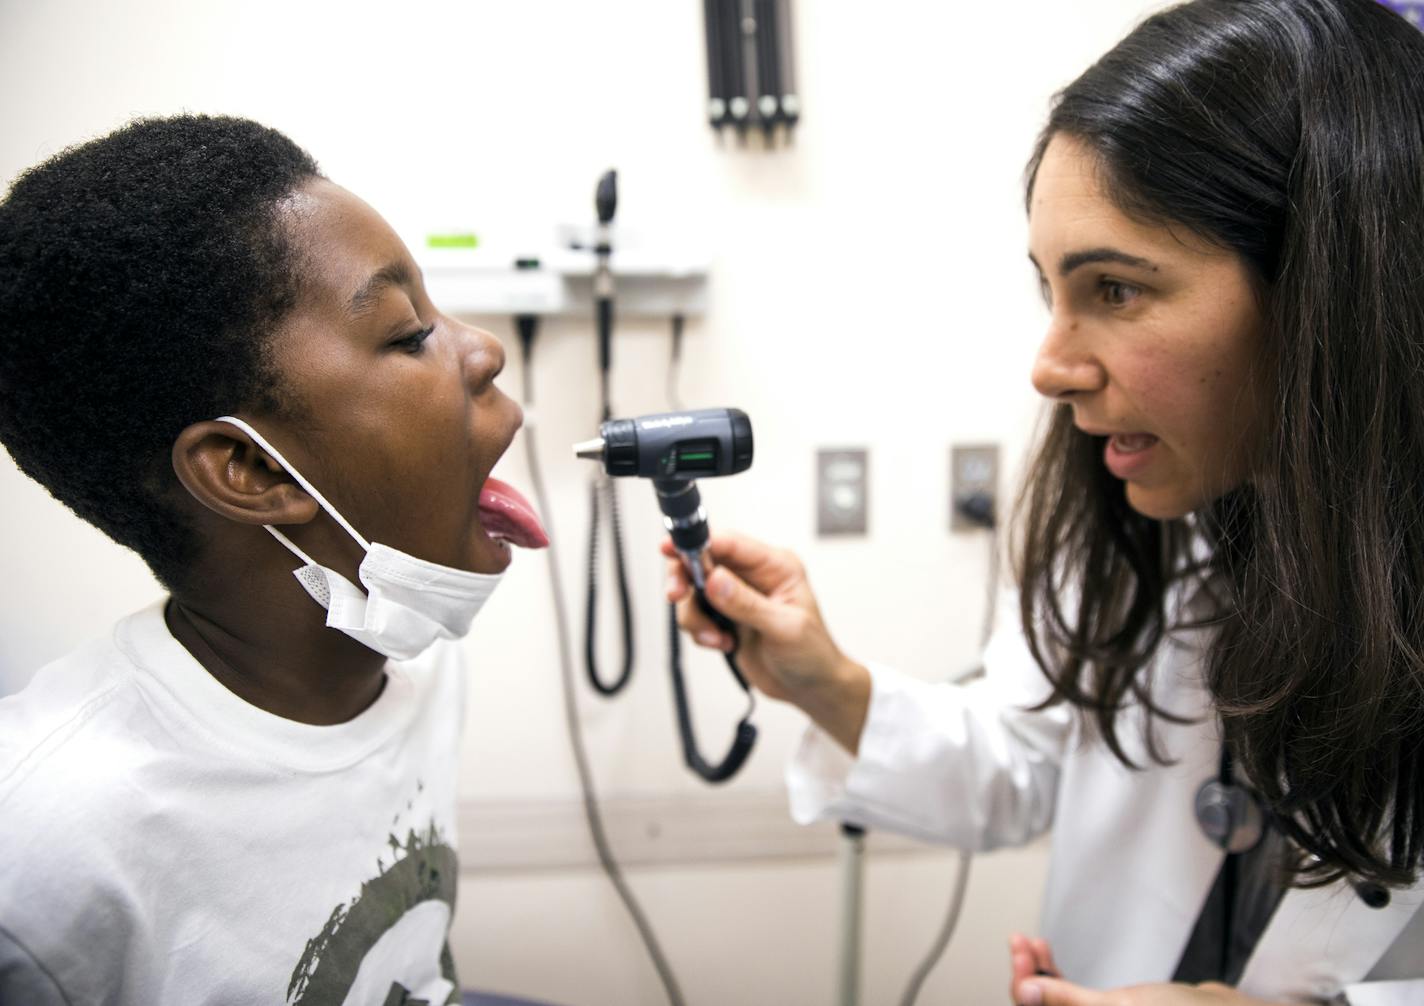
x,y
869,289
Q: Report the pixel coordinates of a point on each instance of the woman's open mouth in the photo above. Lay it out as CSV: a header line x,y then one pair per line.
x,y
507,516
1127,454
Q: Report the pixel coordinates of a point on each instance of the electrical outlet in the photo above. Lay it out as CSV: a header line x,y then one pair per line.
x,y
841,491
973,486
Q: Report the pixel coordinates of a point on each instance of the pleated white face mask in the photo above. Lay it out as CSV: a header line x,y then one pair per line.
x,y
409,603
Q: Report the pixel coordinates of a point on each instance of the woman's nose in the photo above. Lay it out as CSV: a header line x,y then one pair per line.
x,y
1065,364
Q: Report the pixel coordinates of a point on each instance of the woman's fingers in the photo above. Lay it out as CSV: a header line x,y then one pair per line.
x,y
747,606
678,585
752,584
1043,957
760,565
701,628
1021,960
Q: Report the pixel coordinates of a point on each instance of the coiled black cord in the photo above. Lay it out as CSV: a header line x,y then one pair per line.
x,y
607,487
746,734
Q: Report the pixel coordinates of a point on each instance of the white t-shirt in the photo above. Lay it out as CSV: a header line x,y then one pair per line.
x,y
163,841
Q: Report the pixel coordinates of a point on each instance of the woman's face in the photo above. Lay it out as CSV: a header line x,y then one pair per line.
x,y
1154,339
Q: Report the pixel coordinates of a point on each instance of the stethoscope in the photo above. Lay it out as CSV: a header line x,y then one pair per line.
x,y
1228,813
1234,819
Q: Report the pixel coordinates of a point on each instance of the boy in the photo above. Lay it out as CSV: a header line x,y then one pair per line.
x,y
229,364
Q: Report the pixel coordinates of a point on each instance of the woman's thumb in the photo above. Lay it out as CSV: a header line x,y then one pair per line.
x,y
1042,991
741,603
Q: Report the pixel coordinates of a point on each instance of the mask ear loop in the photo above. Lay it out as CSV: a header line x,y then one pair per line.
x,y
290,545
301,481
311,576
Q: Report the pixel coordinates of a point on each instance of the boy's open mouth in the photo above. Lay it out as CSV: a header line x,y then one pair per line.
x,y
507,516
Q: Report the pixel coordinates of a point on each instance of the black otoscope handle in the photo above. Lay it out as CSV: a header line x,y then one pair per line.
x,y
605,201
734,80
605,197
720,620
605,347
716,90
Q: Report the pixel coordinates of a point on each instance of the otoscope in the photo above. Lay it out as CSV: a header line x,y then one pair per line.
x,y
673,449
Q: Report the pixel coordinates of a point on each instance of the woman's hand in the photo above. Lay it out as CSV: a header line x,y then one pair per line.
x,y
784,647
1037,982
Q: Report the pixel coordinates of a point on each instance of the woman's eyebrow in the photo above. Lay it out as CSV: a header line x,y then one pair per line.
x,y
1073,260
365,298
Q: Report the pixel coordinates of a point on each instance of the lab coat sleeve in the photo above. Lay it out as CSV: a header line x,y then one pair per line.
x,y
1401,993
963,765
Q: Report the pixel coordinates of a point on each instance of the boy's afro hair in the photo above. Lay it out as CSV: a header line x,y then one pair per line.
x,y
141,277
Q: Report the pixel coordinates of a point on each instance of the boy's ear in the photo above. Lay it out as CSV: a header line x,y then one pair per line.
x,y
227,472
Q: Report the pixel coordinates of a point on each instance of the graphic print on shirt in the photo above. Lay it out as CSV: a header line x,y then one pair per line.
x,y
381,947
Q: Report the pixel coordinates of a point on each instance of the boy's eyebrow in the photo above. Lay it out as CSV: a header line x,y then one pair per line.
x,y
365,298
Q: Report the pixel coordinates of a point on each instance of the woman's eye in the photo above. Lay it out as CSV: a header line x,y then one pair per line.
x,y
412,343
1117,294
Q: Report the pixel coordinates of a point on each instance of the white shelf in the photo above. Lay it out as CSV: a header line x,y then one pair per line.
x,y
474,282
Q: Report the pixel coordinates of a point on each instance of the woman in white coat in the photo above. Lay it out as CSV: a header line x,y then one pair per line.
x,y
1212,685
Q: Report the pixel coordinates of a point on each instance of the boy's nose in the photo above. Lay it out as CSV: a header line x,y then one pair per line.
x,y
482,355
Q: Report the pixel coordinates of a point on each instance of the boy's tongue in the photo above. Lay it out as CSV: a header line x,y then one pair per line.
x,y
504,512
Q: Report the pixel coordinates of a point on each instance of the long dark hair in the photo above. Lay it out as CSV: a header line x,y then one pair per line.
x,y
1290,132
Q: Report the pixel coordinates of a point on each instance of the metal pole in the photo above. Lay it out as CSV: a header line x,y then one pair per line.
x,y
852,874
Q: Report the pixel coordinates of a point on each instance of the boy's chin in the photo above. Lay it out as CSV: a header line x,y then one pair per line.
x,y
491,555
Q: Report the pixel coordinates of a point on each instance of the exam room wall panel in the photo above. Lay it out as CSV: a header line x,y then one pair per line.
x,y
868,289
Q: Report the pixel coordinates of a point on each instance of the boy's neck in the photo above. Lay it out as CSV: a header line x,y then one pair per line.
x,y
274,650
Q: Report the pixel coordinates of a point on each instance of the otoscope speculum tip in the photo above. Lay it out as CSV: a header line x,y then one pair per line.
x,y
590,450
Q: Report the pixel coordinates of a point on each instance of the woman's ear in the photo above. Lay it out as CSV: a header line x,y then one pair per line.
x,y
227,472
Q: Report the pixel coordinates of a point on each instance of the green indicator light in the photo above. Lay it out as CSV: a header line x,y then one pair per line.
x,y
703,456
452,241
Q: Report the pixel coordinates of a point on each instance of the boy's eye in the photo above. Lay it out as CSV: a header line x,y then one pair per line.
x,y
412,343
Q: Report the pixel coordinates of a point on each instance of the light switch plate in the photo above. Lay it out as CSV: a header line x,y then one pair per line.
x,y
973,470
842,485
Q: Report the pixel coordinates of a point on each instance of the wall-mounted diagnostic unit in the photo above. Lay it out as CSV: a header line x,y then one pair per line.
x,y
652,282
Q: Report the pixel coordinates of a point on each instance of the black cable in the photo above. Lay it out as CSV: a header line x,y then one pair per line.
x,y
526,325
746,733
607,487
674,397
606,204
1229,870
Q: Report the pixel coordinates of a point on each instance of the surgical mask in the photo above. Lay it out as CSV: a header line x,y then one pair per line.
x,y
409,603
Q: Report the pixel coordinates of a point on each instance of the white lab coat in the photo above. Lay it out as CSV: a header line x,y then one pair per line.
x,y
968,766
